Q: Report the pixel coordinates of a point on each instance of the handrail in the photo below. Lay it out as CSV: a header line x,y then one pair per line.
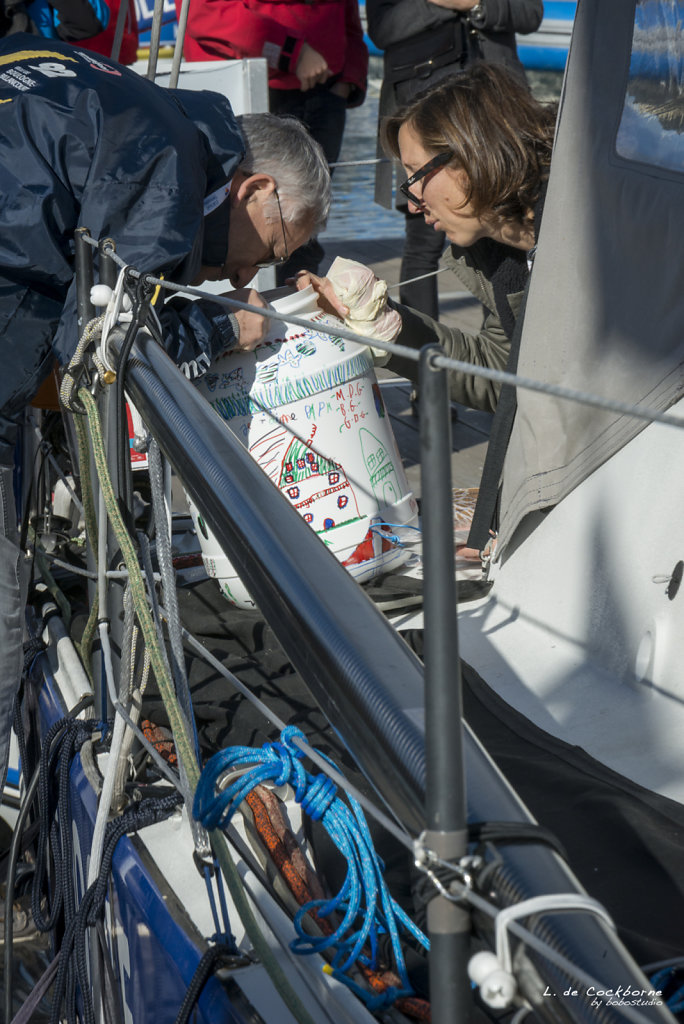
x,y
327,626
364,677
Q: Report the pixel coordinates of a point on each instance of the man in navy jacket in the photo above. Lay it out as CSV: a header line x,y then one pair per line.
x,y
185,189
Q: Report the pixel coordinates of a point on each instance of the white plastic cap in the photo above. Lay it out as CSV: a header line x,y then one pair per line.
x,y
497,987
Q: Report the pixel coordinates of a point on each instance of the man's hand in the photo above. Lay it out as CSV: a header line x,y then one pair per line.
x,y
312,68
253,326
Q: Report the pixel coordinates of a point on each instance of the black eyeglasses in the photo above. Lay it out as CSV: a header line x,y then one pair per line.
x,y
275,261
431,165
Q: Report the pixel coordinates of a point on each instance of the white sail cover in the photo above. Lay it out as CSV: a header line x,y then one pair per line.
x,y
605,312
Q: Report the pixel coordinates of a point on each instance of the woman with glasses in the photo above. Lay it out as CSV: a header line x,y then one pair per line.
x,y
423,42
476,150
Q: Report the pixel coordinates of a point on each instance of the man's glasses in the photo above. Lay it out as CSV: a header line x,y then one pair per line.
x,y
431,165
275,261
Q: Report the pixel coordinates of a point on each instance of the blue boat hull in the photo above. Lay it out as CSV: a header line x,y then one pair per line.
x,y
152,950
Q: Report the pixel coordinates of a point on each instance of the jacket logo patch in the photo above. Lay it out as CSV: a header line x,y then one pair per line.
x,y
98,65
13,58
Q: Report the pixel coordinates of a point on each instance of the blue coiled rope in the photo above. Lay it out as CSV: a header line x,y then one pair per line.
x,y
364,901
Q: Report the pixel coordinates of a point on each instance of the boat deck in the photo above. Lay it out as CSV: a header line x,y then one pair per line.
x,y
470,428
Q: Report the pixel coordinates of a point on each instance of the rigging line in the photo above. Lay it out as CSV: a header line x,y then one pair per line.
x,y
77,570
675,961
337,777
498,376
421,277
111,574
105,802
559,391
270,314
177,722
58,469
161,510
362,163
110,794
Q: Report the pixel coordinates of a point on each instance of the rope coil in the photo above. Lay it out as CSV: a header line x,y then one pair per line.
x,y
366,908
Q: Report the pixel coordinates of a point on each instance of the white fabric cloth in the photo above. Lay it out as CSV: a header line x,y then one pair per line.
x,y
366,298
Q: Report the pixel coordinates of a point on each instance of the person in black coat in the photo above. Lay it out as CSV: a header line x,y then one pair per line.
x,y
185,189
424,41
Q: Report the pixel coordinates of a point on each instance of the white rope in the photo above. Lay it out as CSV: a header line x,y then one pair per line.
x,y
459,892
541,905
361,163
422,277
102,816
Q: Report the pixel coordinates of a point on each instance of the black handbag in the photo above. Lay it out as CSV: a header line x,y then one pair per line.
x,y
418,58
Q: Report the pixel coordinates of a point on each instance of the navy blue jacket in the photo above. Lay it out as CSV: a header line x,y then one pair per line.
x,y
85,142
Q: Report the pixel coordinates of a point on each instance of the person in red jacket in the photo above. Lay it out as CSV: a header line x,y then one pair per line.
x,y
103,42
317,66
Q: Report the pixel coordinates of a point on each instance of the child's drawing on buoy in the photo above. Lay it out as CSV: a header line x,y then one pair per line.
x,y
309,409
317,487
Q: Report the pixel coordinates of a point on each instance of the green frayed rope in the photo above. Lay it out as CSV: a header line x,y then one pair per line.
x,y
184,746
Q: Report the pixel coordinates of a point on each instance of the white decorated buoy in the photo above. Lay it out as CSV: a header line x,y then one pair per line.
x,y
308,407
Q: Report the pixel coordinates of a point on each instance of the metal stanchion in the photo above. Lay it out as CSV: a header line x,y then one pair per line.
x,y
108,268
448,923
83,265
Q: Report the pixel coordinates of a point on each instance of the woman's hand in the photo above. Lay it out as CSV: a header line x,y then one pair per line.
x,y
327,298
353,292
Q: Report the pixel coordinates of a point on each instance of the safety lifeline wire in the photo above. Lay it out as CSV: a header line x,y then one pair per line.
x,y
534,385
498,376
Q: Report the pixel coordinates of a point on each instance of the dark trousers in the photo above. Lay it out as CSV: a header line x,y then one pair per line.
x,y
324,115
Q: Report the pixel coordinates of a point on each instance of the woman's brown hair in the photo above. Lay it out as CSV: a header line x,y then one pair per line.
x,y
496,131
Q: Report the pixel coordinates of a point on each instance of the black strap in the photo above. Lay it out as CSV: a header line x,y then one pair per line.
x,y
286,51
486,515
508,832
486,509
417,58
